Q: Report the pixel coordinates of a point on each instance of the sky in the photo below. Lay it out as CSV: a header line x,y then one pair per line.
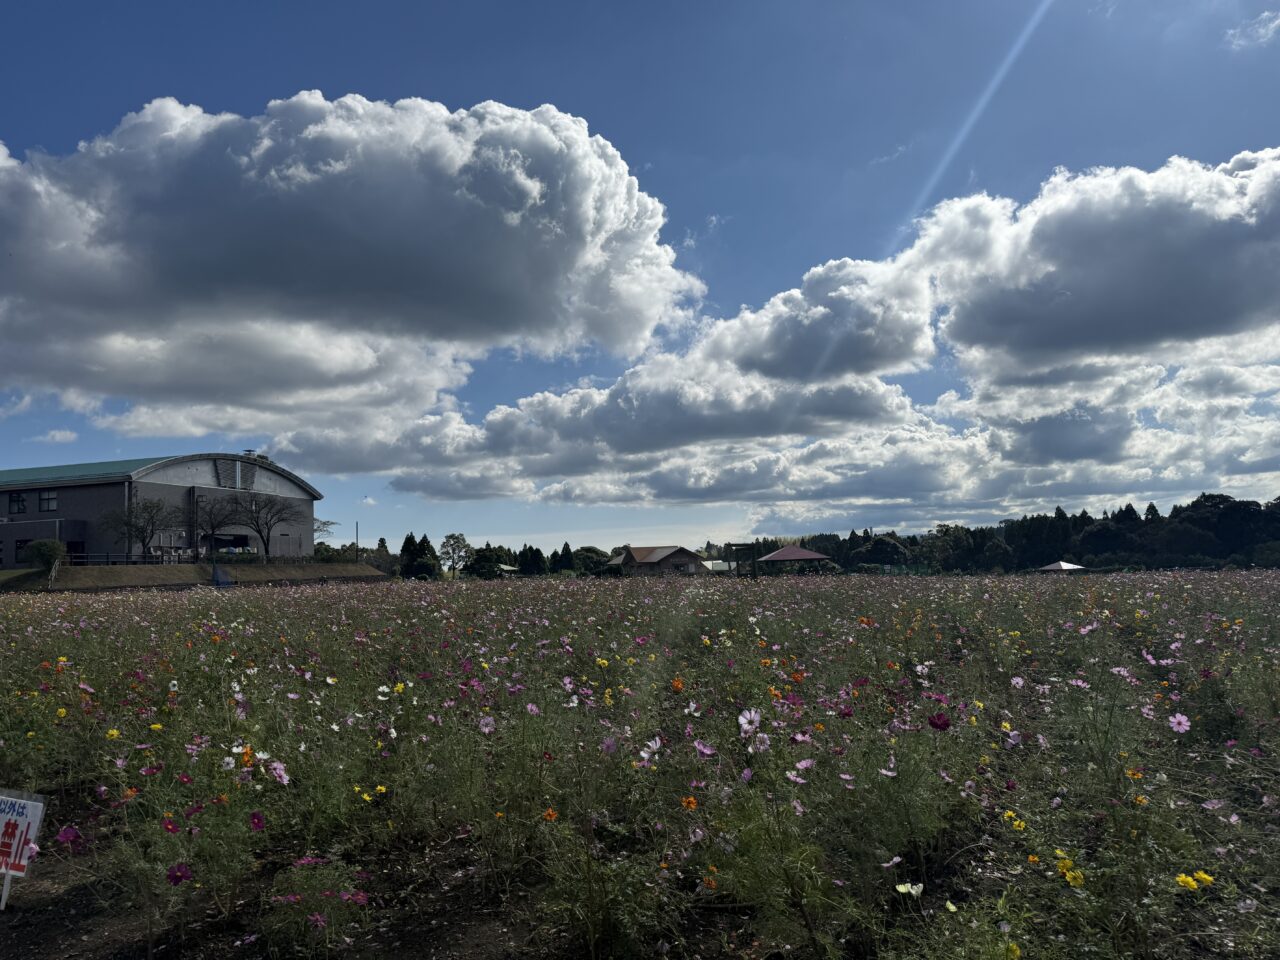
x,y
650,273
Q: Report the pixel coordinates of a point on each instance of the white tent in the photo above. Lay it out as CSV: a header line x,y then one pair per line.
x,y
1060,565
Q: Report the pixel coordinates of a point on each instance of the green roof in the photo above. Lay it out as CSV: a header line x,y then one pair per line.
x,y
74,472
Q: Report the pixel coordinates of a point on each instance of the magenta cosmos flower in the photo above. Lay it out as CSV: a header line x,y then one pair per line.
x,y
257,822
178,872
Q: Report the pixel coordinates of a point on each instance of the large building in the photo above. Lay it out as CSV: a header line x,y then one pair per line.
x,y
73,503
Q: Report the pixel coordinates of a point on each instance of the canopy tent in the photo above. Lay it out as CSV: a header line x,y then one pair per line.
x,y
1061,565
792,553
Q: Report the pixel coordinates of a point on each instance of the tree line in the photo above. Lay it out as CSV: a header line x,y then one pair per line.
x,y
1214,530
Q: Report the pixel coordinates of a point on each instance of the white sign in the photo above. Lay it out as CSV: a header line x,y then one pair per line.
x,y
20,815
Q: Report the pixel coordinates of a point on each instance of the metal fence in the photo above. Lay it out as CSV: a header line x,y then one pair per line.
x,y
154,559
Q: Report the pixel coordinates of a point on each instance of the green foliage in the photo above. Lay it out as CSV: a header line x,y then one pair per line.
x,y
587,749
45,553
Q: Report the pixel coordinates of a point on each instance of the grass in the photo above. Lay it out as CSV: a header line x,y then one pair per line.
x,y
823,767
125,576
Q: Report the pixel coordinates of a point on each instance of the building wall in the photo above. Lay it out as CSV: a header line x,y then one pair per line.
x,y
667,567
77,519
74,521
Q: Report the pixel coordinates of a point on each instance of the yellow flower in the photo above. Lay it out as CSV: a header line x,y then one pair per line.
x,y
366,798
499,815
62,712
601,662
380,789
1012,951
1009,815
1019,824
1074,877
1186,882
113,734
1032,858
1204,878
1005,726
157,727
973,721
399,687
1140,800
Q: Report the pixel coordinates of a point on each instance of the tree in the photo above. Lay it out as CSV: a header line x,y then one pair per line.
x,y
1151,514
428,564
455,551
408,554
263,513
382,559
589,559
212,516
322,529
484,563
141,522
46,553
566,560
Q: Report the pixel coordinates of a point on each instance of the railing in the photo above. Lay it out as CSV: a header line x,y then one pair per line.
x,y
113,559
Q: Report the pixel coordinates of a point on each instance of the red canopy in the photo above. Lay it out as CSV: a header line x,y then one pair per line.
x,y
793,553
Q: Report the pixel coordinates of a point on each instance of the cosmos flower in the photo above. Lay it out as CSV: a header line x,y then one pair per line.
x,y
1179,723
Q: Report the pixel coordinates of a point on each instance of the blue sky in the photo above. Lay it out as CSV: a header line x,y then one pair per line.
x,y
672,353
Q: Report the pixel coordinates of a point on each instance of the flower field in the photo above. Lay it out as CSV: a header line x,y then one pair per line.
x,y
845,767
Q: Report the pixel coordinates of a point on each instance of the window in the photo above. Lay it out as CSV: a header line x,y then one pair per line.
x,y
20,550
17,503
48,501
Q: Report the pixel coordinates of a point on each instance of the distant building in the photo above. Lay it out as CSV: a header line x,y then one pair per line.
x,y
651,561
68,503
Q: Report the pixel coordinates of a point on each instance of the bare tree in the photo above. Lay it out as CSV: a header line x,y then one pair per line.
x,y
141,522
263,512
212,516
151,518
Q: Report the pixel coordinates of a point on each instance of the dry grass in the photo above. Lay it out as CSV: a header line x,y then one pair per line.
x,y
189,574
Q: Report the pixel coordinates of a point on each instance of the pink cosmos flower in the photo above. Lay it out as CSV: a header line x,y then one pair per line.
x,y
488,725
257,822
1179,723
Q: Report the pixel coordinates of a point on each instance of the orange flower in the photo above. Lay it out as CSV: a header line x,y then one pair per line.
x,y
677,685
689,803
709,882
797,676
550,815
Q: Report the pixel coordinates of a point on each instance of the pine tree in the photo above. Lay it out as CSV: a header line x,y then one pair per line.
x,y
408,555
